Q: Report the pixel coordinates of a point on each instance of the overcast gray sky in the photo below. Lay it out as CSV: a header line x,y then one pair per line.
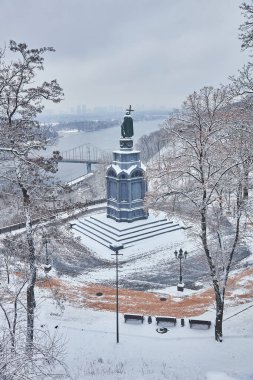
x,y
116,52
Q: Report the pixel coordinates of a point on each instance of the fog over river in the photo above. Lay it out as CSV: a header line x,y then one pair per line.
x,y
105,139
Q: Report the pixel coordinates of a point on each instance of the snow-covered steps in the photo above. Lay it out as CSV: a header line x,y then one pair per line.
x,y
109,232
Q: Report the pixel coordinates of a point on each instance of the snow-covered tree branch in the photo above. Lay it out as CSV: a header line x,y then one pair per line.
x,y
22,141
204,169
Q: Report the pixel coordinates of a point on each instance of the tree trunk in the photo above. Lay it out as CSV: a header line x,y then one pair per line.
x,y
219,318
7,269
246,185
245,192
218,296
30,310
30,287
30,297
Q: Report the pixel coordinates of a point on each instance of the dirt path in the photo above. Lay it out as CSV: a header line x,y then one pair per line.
x,y
239,291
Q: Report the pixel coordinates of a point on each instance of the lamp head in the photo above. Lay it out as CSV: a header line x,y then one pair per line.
x,y
116,247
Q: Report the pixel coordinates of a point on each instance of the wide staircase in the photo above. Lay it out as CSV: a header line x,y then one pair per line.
x,y
109,232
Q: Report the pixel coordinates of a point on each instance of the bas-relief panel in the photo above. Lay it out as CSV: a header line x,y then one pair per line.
x,y
123,191
112,190
136,190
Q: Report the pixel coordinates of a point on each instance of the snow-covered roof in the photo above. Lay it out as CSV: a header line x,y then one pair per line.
x,y
128,171
119,151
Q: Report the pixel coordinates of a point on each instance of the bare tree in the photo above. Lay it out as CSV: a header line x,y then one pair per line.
x,y
242,89
151,144
242,85
22,140
47,349
246,28
199,168
17,365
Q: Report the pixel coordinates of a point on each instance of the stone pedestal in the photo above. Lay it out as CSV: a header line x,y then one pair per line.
x,y
126,185
126,143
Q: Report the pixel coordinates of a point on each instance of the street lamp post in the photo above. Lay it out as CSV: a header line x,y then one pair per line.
x,y
47,266
180,255
116,249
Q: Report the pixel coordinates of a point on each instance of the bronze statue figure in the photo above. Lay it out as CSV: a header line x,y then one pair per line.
x,y
127,129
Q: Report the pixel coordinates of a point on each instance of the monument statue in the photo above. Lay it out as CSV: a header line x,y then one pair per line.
x,y
126,183
127,129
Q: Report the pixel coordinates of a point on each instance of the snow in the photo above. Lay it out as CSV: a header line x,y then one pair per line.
x,y
122,226
149,253
118,169
173,292
127,151
183,353
66,131
168,242
218,376
143,354
79,179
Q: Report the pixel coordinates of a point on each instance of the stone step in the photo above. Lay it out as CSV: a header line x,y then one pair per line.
x,y
94,237
117,238
108,239
113,224
108,231
150,235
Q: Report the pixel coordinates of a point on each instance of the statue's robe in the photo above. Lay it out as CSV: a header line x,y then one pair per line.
x,y
127,129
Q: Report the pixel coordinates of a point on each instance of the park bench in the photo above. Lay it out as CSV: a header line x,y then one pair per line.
x,y
166,319
199,322
134,316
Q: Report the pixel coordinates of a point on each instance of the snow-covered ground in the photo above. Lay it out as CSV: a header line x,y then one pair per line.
x,y
144,354
80,179
142,257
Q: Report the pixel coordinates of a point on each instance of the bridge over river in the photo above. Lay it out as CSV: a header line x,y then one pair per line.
x,y
86,154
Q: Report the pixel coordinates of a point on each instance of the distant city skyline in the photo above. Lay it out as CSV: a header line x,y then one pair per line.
x,y
109,112
82,109
115,52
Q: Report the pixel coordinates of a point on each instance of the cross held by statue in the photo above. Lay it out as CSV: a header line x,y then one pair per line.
x,y
129,110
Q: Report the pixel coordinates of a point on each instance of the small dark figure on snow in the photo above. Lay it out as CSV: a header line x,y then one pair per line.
x,y
149,319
